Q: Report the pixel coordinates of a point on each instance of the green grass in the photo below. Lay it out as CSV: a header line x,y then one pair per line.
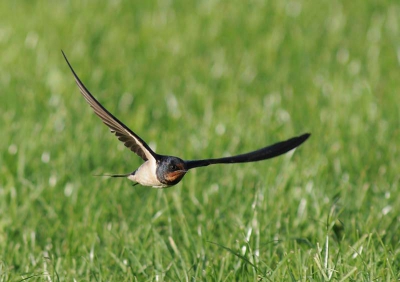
x,y
201,79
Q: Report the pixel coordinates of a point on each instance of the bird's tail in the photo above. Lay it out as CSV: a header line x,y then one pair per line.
x,y
114,175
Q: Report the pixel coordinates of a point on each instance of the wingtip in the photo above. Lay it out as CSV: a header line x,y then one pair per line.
x,y
304,137
65,57
70,67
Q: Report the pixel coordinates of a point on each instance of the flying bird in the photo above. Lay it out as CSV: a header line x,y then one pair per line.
x,y
161,171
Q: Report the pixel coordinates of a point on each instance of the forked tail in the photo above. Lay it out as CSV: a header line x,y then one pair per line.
x,y
113,175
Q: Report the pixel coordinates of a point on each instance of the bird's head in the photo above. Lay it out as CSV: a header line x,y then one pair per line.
x,y
171,170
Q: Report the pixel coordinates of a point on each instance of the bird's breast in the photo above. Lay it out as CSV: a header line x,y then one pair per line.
x,y
146,175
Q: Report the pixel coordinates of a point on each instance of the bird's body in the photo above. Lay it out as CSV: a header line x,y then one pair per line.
x,y
146,175
161,171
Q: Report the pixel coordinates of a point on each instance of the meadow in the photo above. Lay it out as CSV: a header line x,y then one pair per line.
x,y
201,79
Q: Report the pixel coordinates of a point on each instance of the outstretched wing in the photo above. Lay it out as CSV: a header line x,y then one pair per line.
x,y
259,155
124,134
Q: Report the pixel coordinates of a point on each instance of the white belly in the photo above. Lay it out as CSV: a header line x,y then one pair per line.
x,y
146,175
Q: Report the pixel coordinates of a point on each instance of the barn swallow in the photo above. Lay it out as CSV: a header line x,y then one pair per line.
x,y
162,171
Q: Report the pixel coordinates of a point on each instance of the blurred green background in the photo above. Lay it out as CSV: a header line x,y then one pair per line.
x,y
201,79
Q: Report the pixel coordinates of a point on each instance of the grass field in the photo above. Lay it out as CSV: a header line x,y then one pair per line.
x,y
201,79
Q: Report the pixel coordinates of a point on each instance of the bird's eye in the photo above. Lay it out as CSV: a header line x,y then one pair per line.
x,y
173,167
